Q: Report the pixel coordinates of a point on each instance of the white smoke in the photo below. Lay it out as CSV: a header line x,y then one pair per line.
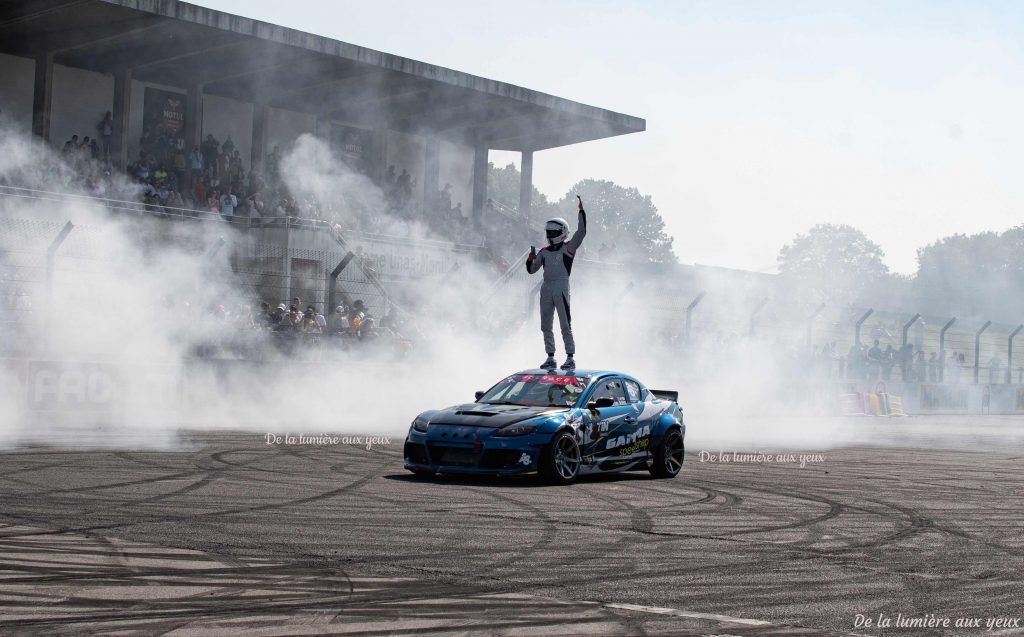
x,y
122,298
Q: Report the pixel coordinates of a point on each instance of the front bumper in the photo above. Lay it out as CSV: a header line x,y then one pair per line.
x,y
514,455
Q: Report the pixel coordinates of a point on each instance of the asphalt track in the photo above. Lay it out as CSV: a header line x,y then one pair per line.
x,y
229,535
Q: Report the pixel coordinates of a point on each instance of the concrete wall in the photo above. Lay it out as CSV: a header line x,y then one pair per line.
x,y
80,98
408,152
17,75
457,169
284,127
225,117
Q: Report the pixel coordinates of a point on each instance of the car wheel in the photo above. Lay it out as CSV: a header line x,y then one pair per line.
x,y
423,473
668,456
560,461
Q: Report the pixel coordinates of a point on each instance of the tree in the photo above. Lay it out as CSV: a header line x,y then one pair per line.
x,y
621,217
834,264
503,189
617,216
981,275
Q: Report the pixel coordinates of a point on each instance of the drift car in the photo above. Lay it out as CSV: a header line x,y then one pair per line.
x,y
558,425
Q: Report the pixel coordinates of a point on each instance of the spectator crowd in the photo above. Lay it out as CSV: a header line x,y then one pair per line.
x,y
289,331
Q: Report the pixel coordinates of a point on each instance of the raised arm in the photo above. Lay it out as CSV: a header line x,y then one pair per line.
x,y
581,230
532,262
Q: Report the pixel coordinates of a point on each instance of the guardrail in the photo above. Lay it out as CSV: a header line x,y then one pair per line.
x,y
247,221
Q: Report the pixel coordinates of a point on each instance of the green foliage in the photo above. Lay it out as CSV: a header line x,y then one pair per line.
x,y
622,217
617,216
834,264
981,274
503,188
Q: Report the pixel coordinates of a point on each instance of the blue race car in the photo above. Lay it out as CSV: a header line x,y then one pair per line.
x,y
558,425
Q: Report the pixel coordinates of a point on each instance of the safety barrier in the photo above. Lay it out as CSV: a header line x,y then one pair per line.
x,y
874,405
896,406
878,403
852,404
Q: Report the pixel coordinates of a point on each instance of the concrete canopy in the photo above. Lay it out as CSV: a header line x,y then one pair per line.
x,y
181,44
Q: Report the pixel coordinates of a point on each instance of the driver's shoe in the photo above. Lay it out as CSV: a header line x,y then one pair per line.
x,y
569,363
550,363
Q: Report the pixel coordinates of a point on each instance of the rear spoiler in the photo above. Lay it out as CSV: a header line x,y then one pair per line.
x,y
665,394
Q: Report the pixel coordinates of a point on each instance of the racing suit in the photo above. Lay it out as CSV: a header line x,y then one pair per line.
x,y
554,292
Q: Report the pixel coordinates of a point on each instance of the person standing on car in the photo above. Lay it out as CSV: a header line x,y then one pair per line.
x,y
556,259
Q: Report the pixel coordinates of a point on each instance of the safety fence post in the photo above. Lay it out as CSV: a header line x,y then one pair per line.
x,y
212,251
1009,354
977,348
907,326
689,312
332,282
860,321
51,256
942,347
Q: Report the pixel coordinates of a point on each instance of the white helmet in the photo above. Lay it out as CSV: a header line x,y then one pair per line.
x,y
557,230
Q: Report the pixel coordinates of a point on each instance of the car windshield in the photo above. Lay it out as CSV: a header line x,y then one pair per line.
x,y
537,390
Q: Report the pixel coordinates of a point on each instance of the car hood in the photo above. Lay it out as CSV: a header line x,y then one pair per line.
x,y
481,415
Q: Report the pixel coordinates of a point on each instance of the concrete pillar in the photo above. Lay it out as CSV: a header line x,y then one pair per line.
x,y
194,116
322,128
121,114
526,186
288,263
479,181
193,124
259,131
379,160
42,96
431,171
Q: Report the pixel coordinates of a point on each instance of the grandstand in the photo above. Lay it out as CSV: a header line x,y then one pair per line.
x,y
199,71
173,74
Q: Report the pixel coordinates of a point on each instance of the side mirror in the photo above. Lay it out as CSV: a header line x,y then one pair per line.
x,y
600,403
479,395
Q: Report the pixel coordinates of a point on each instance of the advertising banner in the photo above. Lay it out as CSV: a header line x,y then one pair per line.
x,y
402,260
102,388
943,398
163,121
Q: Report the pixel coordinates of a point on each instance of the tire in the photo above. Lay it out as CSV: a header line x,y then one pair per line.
x,y
668,456
423,474
561,459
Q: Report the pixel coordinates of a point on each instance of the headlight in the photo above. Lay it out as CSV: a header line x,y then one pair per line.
x,y
518,429
420,424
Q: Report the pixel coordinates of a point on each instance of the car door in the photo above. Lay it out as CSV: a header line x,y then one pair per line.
x,y
646,416
615,424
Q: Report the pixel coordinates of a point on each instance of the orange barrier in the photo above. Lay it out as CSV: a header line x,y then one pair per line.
x,y
874,405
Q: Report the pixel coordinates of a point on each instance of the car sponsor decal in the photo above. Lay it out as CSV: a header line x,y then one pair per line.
x,y
636,447
628,439
550,379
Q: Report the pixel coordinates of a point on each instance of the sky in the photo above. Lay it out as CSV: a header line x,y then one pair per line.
x,y
764,118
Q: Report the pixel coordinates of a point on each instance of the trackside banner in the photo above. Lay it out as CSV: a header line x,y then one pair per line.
x,y
102,388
